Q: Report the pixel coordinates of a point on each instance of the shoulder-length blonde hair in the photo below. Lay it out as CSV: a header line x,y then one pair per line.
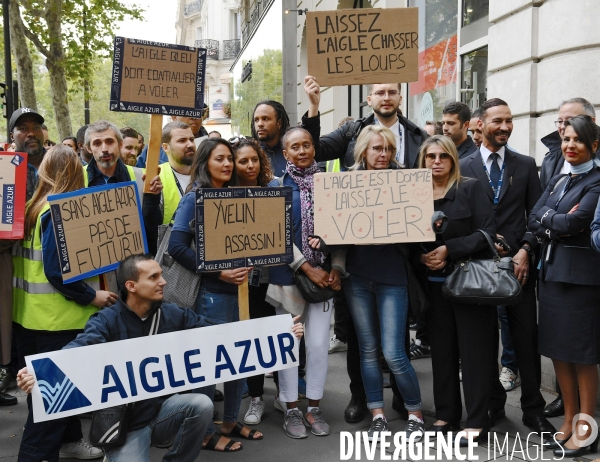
x,y
363,140
449,148
60,171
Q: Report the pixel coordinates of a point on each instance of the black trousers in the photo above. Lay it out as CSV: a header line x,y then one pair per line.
x,y
259,308
522,321
465,332
41,441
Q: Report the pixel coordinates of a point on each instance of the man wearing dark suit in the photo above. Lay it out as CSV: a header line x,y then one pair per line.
x,y
455,122
513,188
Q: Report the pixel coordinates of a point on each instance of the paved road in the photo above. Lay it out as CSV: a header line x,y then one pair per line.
x,y
277,447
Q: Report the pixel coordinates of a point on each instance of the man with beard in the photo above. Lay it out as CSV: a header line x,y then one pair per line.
x,y
455,118
131,146
195,124
384,99
474,128
105,142
25,127
513,188
178,143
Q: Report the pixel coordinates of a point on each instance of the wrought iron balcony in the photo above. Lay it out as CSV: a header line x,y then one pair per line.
x,y
192,8
255,15
231,48
212,48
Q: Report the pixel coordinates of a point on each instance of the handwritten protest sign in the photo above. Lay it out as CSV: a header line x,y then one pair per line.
x,y
96,228
374,206
360,46
72,381
13,189
157,78
237,227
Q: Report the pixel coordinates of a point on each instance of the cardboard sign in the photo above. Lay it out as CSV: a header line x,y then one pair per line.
x,y
13,189
374,206
361,46
96,228
237,227
157,78
72,381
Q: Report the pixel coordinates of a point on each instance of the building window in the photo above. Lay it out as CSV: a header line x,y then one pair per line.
x,y
473,10
474,78
438,46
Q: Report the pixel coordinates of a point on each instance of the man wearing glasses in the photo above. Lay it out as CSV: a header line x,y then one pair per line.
x,y
554,163
384,99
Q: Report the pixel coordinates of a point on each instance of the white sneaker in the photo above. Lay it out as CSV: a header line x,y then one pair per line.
x,y
336,345
280,406
509,379
255,411
80,450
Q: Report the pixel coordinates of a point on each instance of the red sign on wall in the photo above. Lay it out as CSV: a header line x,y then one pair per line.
x,y
437,67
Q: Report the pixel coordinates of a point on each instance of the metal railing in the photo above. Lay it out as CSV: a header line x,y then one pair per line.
x,y
212,48
231,48
255,15
192,8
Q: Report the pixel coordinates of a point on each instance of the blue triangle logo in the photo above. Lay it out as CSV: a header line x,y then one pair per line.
x,y
58,392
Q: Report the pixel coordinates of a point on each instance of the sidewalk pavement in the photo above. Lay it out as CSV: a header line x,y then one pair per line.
x,y
277,446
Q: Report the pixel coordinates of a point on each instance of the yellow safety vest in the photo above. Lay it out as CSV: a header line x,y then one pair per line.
x,y
37,305
171,194
333,165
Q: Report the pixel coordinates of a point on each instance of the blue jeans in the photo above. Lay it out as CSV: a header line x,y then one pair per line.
x,y
379,313
182,419
224,307
509,358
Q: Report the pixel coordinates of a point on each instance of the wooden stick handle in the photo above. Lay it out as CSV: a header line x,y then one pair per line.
x,y
243,300
156,121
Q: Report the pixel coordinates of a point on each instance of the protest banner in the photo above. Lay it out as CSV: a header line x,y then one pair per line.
x,y
96,228
240,227
374,206
362,46
13,191
158,79
84,379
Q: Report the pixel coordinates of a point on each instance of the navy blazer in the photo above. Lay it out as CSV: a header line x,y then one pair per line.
x,y
520,192
572,259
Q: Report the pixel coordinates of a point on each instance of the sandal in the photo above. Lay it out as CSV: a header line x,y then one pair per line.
x,y
211,444
237,431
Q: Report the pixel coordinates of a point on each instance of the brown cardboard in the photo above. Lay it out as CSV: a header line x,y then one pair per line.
x,y
374,206
361,46
95,228
158,75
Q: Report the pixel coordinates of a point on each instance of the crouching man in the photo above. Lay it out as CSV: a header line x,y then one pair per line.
x,y
180,418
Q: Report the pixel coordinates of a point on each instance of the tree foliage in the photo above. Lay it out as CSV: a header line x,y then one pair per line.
x,y
266,83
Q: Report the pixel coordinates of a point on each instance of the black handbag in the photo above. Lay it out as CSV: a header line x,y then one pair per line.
x,y
311,292
109,426
483,282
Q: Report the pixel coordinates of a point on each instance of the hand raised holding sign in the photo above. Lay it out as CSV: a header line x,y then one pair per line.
x,y
234,276
156,185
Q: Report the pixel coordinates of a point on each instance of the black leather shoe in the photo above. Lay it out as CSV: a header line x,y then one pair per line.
x,y
556,443
495,415
556,408
449,426
8,400
481,438
356,409
572,453
541,426
218,396
398,406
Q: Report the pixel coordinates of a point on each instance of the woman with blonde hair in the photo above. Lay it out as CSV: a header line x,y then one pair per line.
x,y
457,330
47,313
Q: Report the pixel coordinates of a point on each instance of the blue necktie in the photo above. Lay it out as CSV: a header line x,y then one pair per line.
x,y
495,170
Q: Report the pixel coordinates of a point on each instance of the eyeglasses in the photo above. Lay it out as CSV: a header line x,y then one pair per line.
x,y
380,149
389,93
558,123
442,156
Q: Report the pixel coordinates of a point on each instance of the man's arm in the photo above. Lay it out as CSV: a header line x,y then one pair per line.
x,y
534,192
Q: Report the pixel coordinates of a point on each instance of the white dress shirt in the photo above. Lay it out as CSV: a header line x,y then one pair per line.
x,y
487,160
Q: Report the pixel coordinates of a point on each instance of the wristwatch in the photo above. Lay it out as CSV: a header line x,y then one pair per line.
x,y
527,248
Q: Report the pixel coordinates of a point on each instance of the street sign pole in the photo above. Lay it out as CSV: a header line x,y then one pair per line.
x,y
7,67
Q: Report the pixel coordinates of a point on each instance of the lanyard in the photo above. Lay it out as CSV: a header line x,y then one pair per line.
x,y
177,182
496,191
570,182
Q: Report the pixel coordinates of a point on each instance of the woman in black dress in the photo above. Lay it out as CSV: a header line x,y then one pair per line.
x,y
569,283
